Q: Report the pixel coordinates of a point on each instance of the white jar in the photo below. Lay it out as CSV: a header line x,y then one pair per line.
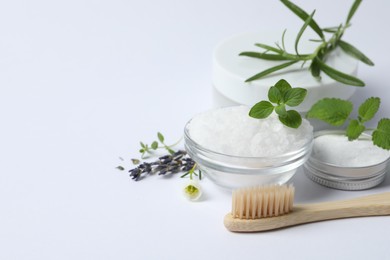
x,y
231,70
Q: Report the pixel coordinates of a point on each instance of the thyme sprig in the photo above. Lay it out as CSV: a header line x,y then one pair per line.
x,y
147,149
319,56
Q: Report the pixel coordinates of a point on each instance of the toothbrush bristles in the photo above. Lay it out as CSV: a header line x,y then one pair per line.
x,y
262,201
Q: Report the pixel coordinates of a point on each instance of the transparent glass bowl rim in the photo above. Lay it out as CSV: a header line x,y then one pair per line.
x,y
364,136
281,157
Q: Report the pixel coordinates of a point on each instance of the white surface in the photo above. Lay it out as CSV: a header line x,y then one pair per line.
x,y
82,82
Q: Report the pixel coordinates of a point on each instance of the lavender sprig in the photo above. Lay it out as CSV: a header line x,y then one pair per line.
x,y
167,164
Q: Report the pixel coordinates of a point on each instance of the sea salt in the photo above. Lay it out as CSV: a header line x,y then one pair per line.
x,y
232,131
337,150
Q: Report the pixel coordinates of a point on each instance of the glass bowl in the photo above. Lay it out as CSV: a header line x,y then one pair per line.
x,y
343,177
236,172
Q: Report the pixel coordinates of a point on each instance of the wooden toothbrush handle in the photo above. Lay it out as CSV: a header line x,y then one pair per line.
x,y
373,205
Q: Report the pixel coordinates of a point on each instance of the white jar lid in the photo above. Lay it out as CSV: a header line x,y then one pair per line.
x,y
231,70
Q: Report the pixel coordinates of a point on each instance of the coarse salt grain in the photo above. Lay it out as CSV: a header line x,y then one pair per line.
x,y
338,150
232,131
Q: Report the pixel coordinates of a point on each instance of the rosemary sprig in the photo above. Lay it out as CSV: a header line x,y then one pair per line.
x,y
318,57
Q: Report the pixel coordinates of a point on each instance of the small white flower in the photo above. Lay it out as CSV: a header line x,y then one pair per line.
x,y
192,190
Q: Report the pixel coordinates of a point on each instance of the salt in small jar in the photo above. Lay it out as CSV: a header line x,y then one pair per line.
x,y
338,163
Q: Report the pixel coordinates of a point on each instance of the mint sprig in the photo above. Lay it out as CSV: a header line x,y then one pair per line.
x,y
280,96
337,112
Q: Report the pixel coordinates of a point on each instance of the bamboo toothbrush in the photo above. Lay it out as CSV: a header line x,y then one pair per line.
x,y
271,207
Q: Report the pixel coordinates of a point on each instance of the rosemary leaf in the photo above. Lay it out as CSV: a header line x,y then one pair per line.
x,y
352,51
271,70
269,48
303,15
338,75
315,69
264,56
308,20
330,29
353,10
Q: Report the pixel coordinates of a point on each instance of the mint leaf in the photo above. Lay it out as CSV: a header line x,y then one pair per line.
x,y
160,137
333,111
283,86
295,96
261,110
275,96
281,110
292,119
368,109
354,130
381,135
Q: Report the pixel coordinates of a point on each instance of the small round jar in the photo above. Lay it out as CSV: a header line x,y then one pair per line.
x,y
345,177
231,70
235,171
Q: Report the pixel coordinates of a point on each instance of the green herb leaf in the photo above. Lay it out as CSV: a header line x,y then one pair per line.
x,y
135,161
339,76
283,86
269,48
160,137
303,28
368,109
281,111
295,96
292,119
315,69
121,168
353,10
142,150
352,51
331,110
154,145
381,135
261,110
283,34
263,56
270,70
303,15
143,145
275,96
330,29
354,130
169,150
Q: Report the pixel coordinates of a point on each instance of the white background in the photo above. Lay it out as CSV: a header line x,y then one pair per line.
x,y
82,82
